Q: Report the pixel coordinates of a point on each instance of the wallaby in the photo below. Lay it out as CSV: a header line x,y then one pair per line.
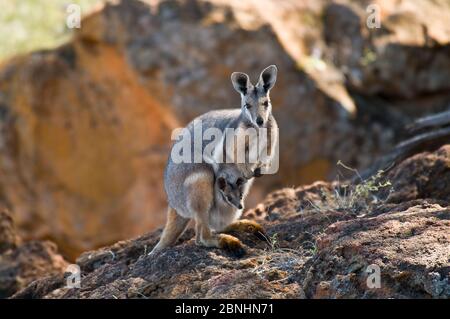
x,y
256,114
215,201
194,190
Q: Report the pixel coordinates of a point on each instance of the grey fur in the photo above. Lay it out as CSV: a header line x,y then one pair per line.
x,y
222,212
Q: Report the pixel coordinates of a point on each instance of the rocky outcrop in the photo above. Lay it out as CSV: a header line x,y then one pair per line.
x,y
322,242
85,128
22,263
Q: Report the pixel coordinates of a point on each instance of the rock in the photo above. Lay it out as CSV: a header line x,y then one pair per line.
x,y
422,176
314,249
407,244
85,128
22,263
406,57
82,149
8,236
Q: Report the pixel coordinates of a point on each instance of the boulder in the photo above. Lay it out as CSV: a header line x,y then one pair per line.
x,y
23,262
320,243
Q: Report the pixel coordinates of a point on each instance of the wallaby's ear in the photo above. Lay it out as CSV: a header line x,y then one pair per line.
x,y
268,78
241,82
221,182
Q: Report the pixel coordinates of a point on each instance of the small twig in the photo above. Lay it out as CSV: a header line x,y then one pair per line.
x,y
350,169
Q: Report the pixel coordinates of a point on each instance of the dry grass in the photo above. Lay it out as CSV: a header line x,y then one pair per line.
x,y
278,264
354,197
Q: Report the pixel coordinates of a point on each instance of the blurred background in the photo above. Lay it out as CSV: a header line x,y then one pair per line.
x,y
86,114
36,24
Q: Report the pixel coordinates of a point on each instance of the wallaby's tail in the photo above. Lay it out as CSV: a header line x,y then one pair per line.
x,y
175,226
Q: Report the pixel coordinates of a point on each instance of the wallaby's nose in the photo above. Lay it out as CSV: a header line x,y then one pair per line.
x,y
257,172
259,120
240,206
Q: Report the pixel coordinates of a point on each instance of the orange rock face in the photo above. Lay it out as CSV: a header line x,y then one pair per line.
x,y
85,146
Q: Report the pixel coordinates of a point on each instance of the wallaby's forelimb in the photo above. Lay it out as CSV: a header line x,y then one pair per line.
x,y
175,226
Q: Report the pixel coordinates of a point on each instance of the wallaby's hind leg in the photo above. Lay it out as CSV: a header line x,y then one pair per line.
x,y
198,231
205,237
246,226
175,226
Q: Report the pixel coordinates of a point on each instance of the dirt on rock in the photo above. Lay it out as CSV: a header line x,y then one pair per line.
x,y
319,244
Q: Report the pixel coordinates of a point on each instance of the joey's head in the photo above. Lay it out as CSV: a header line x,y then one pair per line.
x,y
231,189
255,100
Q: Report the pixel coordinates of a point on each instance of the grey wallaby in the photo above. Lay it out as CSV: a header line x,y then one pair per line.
x,y
212,193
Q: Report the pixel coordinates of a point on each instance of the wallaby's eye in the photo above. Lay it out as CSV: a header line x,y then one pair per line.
x,y
248,105
221,182
266,104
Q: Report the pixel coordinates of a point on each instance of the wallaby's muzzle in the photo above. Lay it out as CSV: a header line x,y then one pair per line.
x,y
259,121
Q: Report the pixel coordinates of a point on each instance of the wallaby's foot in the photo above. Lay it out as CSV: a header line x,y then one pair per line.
x,y
153,252
158,247
231,244
198,239
223,241
247,226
